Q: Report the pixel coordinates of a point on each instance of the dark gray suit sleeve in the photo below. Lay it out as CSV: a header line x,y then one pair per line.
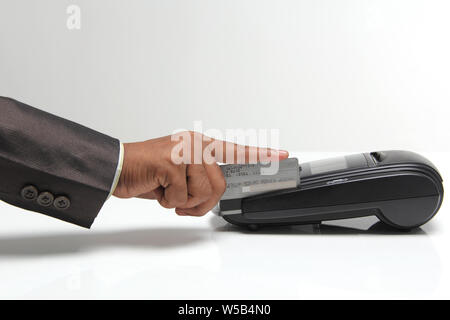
x,y
54,166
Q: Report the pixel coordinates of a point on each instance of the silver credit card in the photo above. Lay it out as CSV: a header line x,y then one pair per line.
x,y
245,180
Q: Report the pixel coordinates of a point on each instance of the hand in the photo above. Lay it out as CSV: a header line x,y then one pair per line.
x,y
192,188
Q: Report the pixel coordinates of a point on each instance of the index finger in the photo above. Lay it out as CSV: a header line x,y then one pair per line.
x,y
232,153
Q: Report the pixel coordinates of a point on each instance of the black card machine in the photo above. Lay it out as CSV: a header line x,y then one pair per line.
x,y
401,188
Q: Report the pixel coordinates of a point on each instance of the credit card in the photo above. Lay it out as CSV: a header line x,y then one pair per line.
x,y
245,180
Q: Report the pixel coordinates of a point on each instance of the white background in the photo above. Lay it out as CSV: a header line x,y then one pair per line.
x,y
331,75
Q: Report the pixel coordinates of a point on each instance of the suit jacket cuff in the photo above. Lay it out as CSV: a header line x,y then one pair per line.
x,y
118,171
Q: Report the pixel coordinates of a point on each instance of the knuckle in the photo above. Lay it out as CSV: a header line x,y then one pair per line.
x,y
182,167
180,202
199,213
196,211
203,197
195,170
205,188
166,204
222,186
208,192
176,174
193,134
203,212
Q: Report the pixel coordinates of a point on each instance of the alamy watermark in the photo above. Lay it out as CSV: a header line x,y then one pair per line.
x,y
231,146
73,21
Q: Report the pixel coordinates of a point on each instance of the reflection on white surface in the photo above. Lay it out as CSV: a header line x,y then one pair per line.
x,y
339,259
138,250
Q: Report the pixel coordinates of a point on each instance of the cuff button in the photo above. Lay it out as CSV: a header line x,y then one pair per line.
x,y
29,193
45,199
62,203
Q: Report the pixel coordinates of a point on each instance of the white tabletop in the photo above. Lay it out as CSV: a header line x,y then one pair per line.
x,y
138,250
